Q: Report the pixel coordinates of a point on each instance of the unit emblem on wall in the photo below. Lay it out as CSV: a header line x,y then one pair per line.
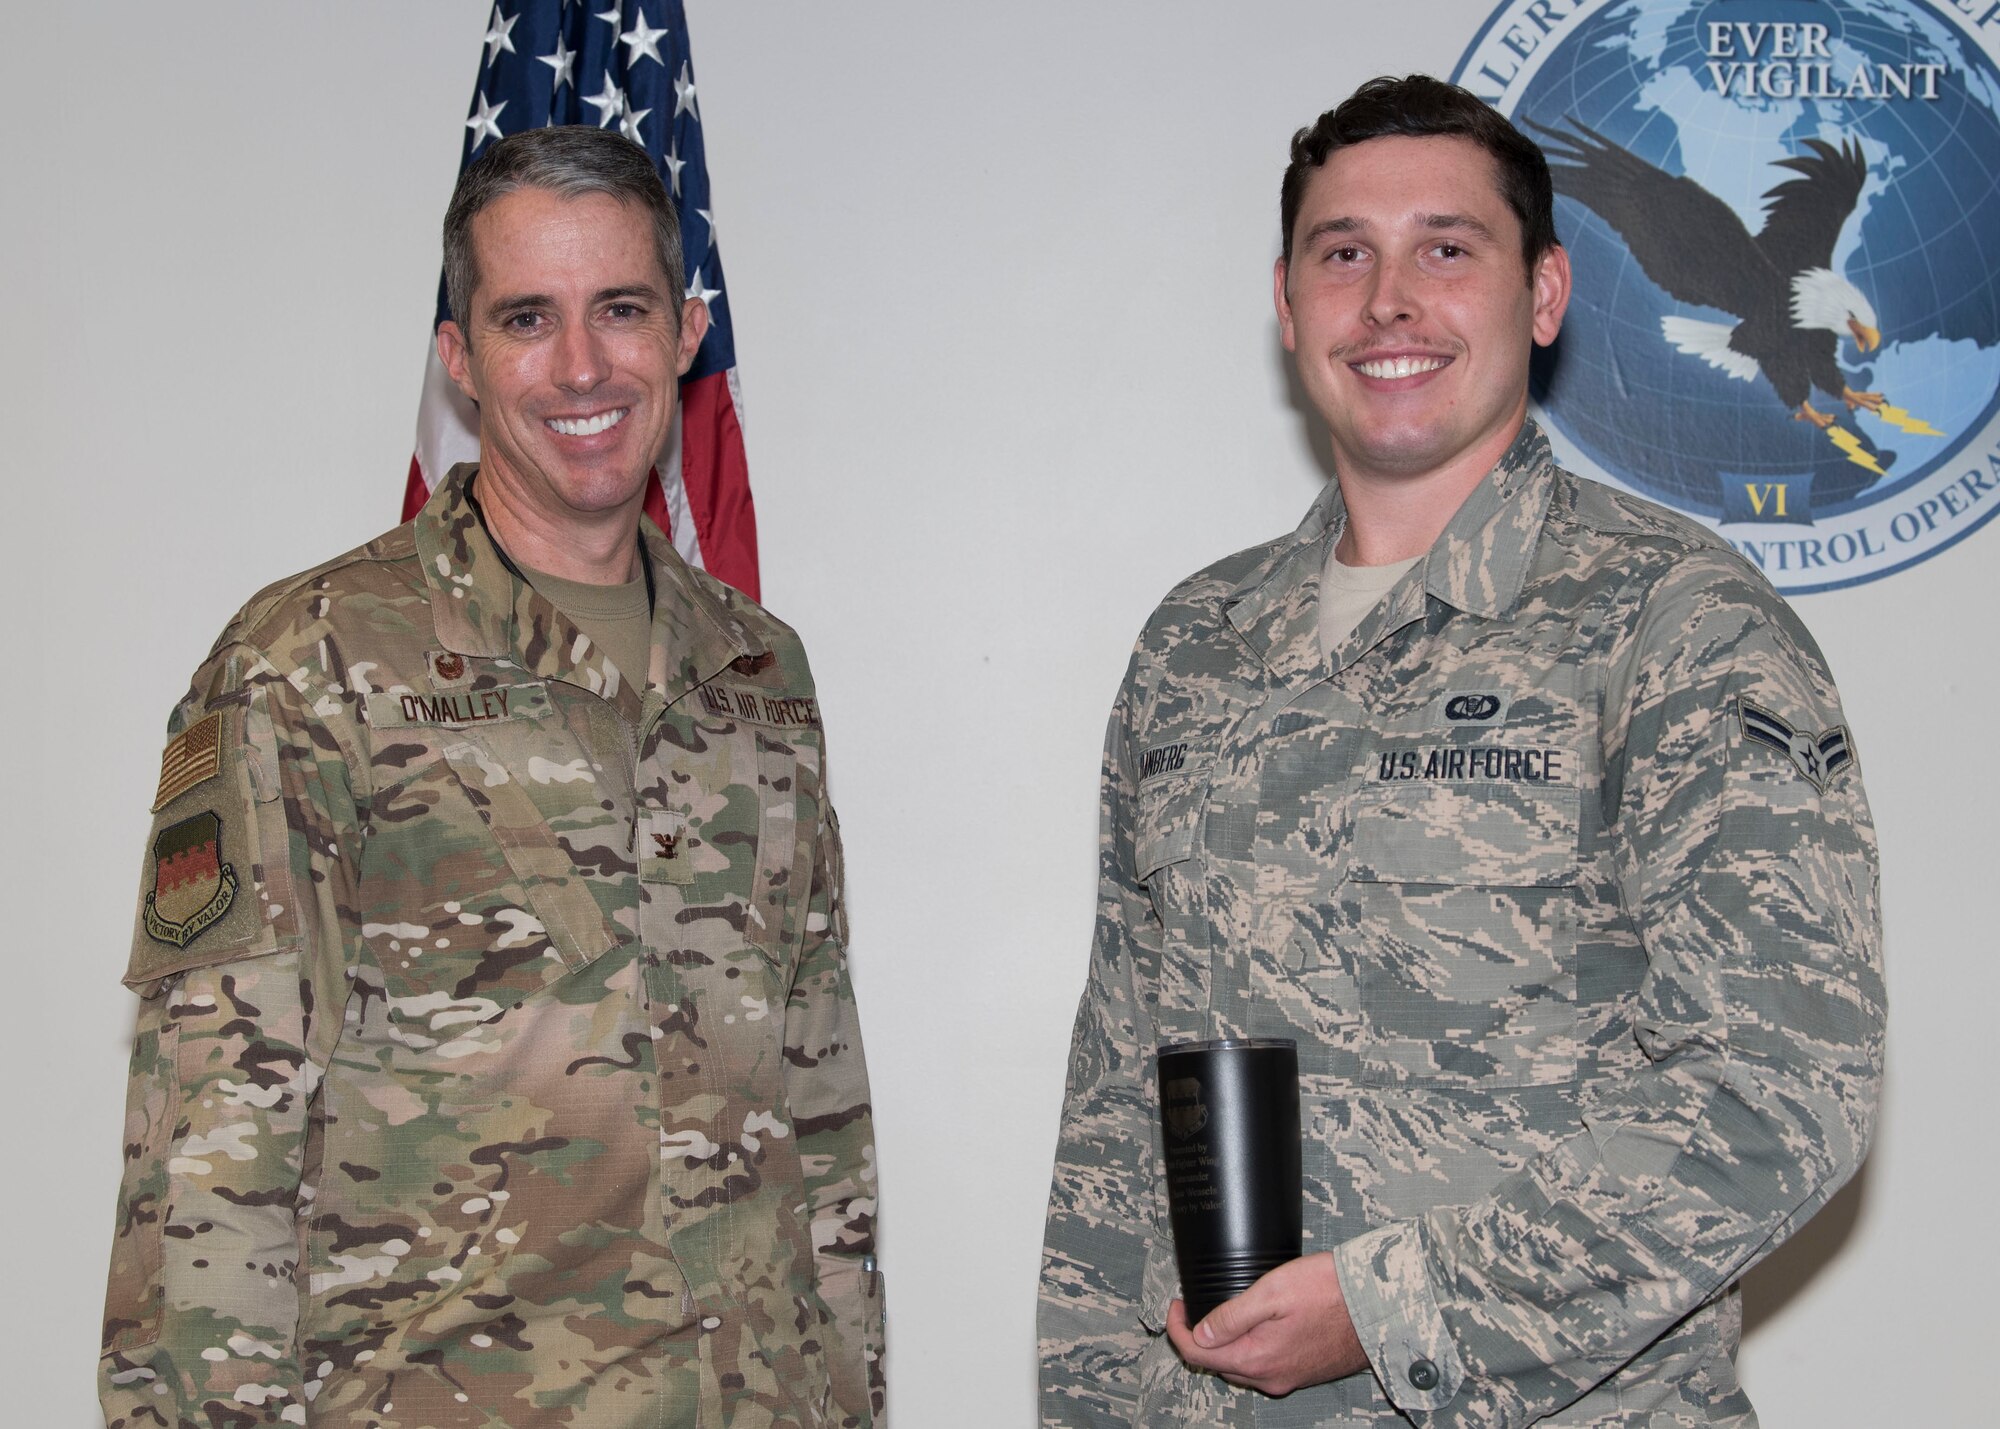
x,y
1784,221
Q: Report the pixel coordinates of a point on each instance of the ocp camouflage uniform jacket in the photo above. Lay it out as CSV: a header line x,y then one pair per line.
x,y
1561,875
497,1063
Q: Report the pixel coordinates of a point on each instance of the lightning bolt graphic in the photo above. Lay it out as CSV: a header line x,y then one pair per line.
x,y
1856,453
1915,426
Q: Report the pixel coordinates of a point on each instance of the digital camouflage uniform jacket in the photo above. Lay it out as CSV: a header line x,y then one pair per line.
x,y
1561,875
497,1063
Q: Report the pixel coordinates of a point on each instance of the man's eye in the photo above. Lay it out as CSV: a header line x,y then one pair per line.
x,y
523,322
1449,250
624,311
1347,253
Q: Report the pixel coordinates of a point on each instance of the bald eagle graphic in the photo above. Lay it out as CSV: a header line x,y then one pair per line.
x,y
1792,309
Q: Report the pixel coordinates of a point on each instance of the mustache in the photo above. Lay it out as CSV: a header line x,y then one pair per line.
x,y
1365,351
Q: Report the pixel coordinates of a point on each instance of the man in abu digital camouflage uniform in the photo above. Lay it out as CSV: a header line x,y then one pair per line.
x,y
1527,809
497,1061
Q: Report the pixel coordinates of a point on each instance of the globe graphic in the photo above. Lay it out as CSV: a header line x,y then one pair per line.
x,y
1923,245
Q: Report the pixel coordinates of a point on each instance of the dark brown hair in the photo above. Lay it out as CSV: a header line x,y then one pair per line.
x,y
1418,106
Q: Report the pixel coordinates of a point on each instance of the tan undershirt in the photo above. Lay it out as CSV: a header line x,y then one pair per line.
x,y
1348,593
617,618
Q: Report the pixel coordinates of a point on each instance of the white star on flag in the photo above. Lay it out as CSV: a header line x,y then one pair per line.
x,y
498,38
674,164
609,17
629,125
563,62
610,104
486,123
642,42
696,290
684,95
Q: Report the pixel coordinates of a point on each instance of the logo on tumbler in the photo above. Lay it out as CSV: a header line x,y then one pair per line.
x,y
1185,1113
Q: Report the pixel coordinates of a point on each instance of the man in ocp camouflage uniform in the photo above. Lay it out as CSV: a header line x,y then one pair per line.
x,y
1528,810
497,1060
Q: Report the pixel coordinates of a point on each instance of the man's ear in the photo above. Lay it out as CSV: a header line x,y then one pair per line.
x,y
694,327
1284,304
1551,285
456,355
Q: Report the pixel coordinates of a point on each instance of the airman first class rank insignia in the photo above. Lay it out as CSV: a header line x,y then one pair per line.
x,y
191,756
192,886
1817,756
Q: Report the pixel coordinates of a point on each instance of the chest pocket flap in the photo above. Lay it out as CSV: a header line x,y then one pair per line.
x,y
1482,834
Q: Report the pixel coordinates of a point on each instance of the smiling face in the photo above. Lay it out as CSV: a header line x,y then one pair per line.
x,y
574,356
1409,313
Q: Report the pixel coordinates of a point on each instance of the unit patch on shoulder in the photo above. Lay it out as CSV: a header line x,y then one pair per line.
x,y
192,886
191,756
1819,757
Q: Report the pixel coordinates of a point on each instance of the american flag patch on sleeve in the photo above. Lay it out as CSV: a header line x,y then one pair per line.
x,y
191,756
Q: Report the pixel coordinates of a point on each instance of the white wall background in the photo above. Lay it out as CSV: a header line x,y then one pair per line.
x,y
1000,277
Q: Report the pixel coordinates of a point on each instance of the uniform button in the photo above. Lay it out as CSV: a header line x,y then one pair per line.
x,y
1424,1375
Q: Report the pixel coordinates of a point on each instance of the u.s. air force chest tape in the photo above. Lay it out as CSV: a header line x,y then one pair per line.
x,y
772,708
1493,808
217,880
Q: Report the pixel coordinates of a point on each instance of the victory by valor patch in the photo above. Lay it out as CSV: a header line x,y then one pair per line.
x,y
1817,756
192,886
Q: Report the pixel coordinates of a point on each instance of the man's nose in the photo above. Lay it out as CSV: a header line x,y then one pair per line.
x,y
1392,294
581,359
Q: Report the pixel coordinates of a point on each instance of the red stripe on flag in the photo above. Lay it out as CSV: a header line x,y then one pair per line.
x,y
717,477
415,493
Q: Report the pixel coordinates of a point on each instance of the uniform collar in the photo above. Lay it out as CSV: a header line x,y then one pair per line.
x,y
483,607
1477,565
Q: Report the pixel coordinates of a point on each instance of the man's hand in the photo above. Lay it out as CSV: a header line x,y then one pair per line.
x,y
1287,1331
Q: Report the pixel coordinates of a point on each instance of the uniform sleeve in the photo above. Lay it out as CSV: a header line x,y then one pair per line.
x,y
1101,1198
202,1304
826,1083
1748,867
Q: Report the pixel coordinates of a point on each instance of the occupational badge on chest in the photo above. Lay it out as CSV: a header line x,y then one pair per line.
x,y
1480,709
192,886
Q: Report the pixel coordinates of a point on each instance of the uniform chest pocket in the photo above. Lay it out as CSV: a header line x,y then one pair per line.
x,y
1463,898
499,863
729,819
1163,837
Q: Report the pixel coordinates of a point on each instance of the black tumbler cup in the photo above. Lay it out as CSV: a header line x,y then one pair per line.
x,y
1230,1110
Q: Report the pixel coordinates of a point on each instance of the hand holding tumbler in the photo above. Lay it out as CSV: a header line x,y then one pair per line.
x,y
1230,1114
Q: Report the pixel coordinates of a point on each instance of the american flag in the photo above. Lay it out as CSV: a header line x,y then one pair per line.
x,y
622,64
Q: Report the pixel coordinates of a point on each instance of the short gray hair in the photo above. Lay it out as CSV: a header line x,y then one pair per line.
x,y
569,160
